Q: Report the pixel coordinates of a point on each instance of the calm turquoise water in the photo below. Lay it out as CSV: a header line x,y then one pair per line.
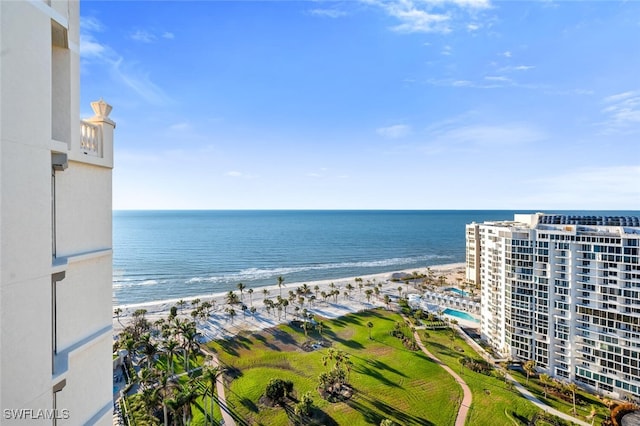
x,y
459,314
171,254
457,291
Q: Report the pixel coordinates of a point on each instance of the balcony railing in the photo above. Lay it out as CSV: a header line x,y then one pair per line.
x,y
90,139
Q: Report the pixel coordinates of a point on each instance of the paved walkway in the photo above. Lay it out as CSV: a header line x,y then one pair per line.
x,y
222,401
523,391
466,392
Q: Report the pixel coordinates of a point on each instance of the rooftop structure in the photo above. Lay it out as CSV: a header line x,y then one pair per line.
x,y
55,224
563,291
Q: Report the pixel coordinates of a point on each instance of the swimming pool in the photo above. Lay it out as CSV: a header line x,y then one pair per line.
x,y
460,314
457,291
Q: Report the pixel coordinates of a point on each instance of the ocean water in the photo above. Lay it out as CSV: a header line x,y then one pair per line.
x,y
160,255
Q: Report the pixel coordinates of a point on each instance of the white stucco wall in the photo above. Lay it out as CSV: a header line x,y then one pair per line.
x,y
39,115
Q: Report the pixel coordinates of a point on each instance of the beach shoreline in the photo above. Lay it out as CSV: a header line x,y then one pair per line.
x,y
219,325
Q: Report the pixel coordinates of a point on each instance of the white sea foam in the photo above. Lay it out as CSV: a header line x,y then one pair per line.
x,y
251,274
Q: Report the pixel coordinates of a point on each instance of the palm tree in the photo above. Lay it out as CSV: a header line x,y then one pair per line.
x,y
545,379
241,287
195,303
280,284
117,311
190,344
250,291
399,291
232,298
149,349
320,328
572,387
349,289
181,303
369,326
210,376
187,396
317,289
265,292
387,300
170,349
306,326
368,292
530,368
284,304
232,313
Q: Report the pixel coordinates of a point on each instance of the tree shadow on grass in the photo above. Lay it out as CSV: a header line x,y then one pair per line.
x,y
365,406
284,337
233,344
260,338
384,366
331,335
522,420
249,405
376,374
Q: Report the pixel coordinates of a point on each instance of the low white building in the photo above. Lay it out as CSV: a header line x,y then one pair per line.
x,y
55,225
563,291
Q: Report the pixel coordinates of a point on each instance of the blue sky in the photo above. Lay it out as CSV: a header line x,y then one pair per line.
x,y
403,104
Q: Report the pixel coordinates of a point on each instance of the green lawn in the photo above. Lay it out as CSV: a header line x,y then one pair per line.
x,y
493,401
390,381
584,401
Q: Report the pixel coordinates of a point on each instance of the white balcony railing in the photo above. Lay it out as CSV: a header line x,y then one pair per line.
x,y
90,139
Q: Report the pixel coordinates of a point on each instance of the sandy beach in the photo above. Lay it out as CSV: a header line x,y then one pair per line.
x,y
219,324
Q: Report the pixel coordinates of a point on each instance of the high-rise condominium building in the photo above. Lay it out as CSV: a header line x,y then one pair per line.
x,y
55,224
563,291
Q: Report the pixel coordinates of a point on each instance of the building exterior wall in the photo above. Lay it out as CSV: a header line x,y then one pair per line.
x,y
565,292
55,223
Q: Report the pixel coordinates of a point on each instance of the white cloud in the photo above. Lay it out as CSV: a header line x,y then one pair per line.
x,y
180,126
92,51
90,48
240,175
394,132
90,23
452,136
139,81
512,68
613,187
446,50
506,54
328,13
497,78
432,16
623,112
143,36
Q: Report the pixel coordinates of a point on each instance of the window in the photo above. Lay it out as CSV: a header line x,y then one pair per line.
x,y
55,278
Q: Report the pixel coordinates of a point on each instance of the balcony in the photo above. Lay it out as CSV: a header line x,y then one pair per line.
x,y
94,143
90,139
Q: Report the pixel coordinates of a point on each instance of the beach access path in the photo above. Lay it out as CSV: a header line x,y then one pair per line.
x,y
467,396
523,391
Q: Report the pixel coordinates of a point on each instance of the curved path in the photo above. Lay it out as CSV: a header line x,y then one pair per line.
x,y
222,401
466,392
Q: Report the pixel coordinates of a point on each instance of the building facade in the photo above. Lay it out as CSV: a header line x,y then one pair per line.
x,y
563,291
55,224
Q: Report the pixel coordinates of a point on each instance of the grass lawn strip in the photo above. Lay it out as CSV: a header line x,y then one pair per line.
x,y
390,381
